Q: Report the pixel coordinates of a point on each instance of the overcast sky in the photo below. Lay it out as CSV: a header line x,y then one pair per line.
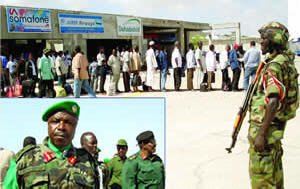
x,y
251,14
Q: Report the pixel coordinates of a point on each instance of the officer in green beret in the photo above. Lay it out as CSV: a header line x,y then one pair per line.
x,y
144,169
115,165
55,163
274,101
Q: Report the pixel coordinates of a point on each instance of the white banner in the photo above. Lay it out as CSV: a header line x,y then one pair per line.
x,y
129,26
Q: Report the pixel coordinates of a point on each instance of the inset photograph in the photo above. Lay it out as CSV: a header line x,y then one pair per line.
x,y
87,143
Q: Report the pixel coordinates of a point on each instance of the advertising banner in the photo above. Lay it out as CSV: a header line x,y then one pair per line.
x,y
129,26
73,23
31,20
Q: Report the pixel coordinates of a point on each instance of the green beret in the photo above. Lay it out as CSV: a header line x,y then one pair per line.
x,y
67,106
122,142
145,136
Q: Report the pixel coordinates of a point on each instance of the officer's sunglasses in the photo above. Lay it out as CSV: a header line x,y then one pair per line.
x,y
121,147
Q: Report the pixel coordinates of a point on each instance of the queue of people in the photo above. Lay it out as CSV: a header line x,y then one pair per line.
x,y
82,75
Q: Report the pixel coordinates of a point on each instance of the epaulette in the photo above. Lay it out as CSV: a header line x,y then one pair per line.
x,y
132,157
156,158
23,151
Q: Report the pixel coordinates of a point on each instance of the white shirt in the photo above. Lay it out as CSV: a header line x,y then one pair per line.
x,y
12,66
101,58
200,56
211,61
224,60
176,54
60,64
150,59
126,61
68,60
190,59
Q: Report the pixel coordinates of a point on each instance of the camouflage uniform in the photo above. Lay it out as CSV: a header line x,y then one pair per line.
x,y
40,167
278,78
143,174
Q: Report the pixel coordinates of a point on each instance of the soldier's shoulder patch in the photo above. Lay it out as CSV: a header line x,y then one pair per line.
x,y
24,151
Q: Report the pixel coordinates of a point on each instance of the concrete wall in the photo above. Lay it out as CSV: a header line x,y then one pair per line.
x,y
110,30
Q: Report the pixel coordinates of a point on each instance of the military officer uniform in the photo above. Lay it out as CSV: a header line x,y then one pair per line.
x,y
47,166
142,173
115,167
278,78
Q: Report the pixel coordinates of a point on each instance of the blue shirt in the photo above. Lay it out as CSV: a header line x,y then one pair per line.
x,y
93,68
163,63
4,61
233,60
252,58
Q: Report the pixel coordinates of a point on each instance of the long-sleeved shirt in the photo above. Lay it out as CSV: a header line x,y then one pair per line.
x,y
224,60
163,62
233,60
176,55
252,57
46,68
211,62
190,59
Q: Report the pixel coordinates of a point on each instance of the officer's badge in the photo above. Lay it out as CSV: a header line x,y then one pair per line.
x,y
73,159
74,108
47,156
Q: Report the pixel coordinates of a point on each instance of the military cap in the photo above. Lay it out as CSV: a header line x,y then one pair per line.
x,y
68,106
122,142
144,136
276,32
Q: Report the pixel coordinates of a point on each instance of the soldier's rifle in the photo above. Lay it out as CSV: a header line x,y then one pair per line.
x,y
243,110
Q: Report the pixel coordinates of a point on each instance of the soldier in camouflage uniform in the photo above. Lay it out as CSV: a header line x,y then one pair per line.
x,y
89,142
274,101
144,170
115,165
55,163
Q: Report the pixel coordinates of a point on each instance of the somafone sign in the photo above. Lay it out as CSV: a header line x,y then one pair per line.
x,y
129,26
28,20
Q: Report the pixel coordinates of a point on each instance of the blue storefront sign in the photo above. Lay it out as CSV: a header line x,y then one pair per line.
x,y
74,23
28,20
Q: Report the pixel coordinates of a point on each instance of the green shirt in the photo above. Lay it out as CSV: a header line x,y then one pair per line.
x,y
143,174
46,68
115,167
